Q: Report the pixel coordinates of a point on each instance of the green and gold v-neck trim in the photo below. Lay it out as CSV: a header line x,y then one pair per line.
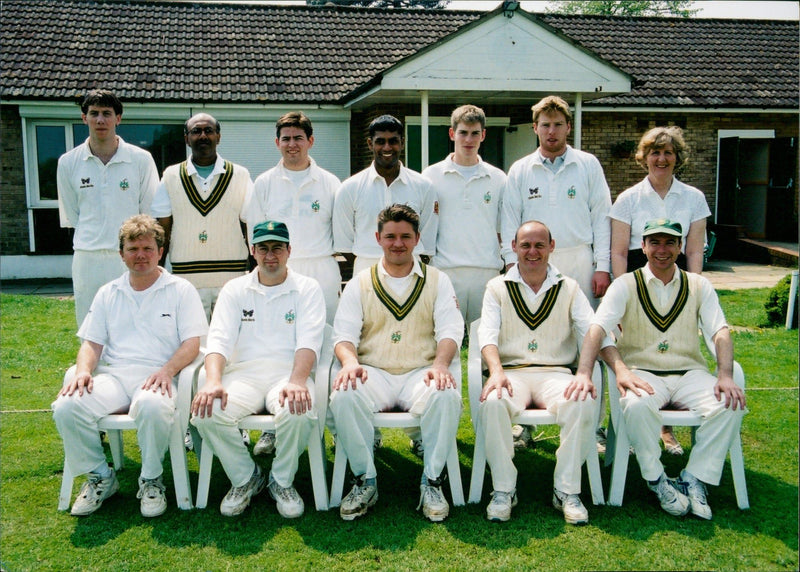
x,y
662,322
399,311
205,206
532,319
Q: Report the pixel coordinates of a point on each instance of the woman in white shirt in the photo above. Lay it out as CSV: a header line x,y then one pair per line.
x,y
661,151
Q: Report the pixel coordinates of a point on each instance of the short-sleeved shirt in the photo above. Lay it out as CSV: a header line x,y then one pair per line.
x,y
469,214
306,209
145,327
252,321
640,203
96,198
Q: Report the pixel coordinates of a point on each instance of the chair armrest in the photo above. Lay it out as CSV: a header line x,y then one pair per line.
x,y
187,381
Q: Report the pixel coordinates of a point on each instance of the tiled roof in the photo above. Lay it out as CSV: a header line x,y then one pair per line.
x,y
694,62
245,53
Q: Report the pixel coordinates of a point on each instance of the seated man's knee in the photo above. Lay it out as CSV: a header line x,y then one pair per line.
x,y
149,405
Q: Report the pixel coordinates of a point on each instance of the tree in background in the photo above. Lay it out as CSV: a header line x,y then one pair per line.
x,y
676,8
424,4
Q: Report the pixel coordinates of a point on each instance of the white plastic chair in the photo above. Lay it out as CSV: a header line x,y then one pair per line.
x,y
401,420
526,417
618,446
264,422
113,425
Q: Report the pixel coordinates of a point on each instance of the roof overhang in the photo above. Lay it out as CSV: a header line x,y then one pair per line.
x,y
499,60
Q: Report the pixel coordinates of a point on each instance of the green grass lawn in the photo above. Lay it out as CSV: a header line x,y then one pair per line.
x,y
38,344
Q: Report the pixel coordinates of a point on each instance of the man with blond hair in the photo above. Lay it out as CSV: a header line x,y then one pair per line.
x,y
142,329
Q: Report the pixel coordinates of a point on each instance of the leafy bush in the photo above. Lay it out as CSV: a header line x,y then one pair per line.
x,y
777,304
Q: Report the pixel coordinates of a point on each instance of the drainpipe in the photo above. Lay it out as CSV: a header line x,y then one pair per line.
x,y
792,297
424,130
577,119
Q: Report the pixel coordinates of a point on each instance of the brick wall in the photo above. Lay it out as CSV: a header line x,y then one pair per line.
x,y
13,201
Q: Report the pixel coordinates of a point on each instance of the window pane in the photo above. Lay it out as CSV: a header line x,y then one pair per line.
x,y
165,142
50,146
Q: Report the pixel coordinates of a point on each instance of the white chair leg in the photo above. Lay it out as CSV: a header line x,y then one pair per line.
x,y
66,489
115,443
454,475
737,468
204,477
595,480
337,481
316,459
611,443
478,467
619,471
180,470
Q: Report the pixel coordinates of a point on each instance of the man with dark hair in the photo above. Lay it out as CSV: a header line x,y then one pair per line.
x,y
300,193
142,329
657,361
386,181
265,337
101,183
396,332
200,203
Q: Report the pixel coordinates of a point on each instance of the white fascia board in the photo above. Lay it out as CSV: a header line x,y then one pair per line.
x,y
686,110
513,54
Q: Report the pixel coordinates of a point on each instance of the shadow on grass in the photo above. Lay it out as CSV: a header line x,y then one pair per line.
x,y
394,525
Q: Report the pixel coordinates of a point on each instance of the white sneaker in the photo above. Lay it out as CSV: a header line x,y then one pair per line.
x,y
418,448
265,444
434,505
188,443
154,499
499,509
245,437
695,489
671,498
571,506
289,503
522,436
238,498
94,491
358,500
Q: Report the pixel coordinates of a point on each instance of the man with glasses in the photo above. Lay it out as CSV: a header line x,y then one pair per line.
x,y
101,183
200,203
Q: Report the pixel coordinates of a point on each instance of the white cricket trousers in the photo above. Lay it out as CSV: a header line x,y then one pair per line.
x,y
469,284
544,389
90,270
577,262
252,387
438,412
325,270
116,390
694,391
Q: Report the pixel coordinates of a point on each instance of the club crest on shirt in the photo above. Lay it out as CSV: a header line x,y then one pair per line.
x,y
534,193
396,337
487,198
571,192
247,315
124,184
533,345
289,317
315,206
663,347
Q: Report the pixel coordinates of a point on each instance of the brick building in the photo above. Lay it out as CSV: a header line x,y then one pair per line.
x,y
731,84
